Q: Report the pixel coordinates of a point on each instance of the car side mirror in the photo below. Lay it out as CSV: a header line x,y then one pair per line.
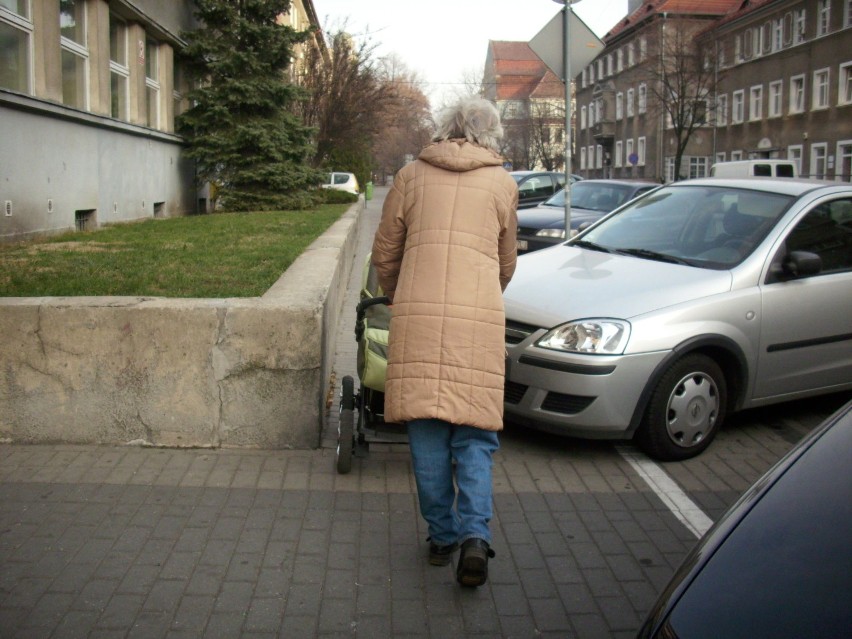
x,y
799,264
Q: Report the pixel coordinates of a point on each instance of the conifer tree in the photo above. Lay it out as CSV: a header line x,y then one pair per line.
x,y
242,129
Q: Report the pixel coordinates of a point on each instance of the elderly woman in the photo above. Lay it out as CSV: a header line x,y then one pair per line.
x,y
444,251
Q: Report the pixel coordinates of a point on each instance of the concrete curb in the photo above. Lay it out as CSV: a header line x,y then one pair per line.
x,y
242,372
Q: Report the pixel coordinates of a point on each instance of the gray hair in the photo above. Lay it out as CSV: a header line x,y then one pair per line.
x,y
472,118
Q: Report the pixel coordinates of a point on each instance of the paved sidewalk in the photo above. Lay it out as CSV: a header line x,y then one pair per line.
x,y
103,541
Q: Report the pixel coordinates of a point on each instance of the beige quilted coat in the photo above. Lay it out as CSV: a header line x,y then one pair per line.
x,y
444,251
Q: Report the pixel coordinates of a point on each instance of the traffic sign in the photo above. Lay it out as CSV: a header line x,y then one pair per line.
x,y
547,44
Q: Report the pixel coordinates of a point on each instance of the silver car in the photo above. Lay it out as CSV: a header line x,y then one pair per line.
x,y
698,299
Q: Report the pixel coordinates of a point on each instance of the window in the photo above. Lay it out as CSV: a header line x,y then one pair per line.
x,y
609,64
601,69
582,117
670,176
844,87
643,48
592,114
619,57
631,54
583,78
643,98
755,106
617,159
737,107
736,155
820,96
591,74
799,27
843,168
722,110
697,167
720,157
823,16
629,103
818,159
619,105
847,13
640,151
738,48
628,152
797,94
598,157
16,30
775,98
822,231
119,73
75,55
794,153
152,82
778,34
582,157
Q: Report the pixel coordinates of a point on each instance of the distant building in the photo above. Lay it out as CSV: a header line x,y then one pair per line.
x,y
89,92
782,89
531,101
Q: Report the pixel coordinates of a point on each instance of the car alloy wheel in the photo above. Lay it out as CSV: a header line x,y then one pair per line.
x,y
685,411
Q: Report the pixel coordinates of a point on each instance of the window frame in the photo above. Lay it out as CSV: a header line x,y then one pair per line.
x,y
814,159
797,94
844,82
821,91
775,107
755,103
24,24
738,107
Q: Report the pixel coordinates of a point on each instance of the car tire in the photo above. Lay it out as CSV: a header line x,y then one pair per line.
x,y
685,411
346,427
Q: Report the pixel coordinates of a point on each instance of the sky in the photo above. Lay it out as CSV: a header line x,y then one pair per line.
x,y
444,41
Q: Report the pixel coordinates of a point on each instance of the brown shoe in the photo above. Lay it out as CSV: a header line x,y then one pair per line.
x,y
472,570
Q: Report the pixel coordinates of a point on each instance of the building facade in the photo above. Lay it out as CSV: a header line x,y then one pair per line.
x,y
780,88
89,93
531,101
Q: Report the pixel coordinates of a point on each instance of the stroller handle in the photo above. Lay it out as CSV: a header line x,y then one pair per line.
x,y
361,309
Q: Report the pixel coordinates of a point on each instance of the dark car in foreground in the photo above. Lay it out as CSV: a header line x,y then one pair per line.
x,y
535,187
544,225
777,565
692,301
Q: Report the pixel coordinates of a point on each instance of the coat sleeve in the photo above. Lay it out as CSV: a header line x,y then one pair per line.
x,y
389,242
508,246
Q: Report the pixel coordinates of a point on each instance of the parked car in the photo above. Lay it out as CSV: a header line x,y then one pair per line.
x,y
544,225
537,186
694,300
342,182
777,563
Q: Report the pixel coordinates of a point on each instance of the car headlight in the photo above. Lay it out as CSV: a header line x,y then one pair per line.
x,y
558,233
595,336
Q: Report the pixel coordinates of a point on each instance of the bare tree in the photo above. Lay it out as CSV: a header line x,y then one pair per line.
x,y
682,81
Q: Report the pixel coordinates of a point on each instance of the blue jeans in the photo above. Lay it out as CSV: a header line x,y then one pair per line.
x,y
435,444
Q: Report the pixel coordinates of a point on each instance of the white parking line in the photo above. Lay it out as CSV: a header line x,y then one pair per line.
x,y
686,510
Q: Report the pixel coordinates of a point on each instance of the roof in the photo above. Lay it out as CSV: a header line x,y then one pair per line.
x,y
520,74
677,7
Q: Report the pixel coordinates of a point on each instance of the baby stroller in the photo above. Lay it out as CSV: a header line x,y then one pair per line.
x,y
371,332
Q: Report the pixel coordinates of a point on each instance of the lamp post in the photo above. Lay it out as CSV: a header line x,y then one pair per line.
x,y
566,30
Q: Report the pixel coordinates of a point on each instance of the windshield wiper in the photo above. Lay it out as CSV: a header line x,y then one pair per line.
x,y
654,255
590,245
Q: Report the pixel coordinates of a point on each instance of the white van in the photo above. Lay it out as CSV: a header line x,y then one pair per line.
x,y
755,168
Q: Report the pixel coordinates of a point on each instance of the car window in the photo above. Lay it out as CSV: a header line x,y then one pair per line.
x,y
826,231
715,227
539,185
341,178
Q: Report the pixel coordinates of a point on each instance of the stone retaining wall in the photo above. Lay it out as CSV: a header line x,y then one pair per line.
x,y
244,372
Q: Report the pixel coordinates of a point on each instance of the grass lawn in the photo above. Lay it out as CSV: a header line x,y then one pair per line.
x,y
217,255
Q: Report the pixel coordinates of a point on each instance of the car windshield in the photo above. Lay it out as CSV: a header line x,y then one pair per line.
x,y
595,196
712,227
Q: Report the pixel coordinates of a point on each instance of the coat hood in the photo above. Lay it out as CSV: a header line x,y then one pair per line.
x,y
459,155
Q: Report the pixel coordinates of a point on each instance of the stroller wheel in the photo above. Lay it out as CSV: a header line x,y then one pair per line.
x,y
346,429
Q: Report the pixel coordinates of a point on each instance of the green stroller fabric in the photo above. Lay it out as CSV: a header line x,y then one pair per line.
x,y
372,360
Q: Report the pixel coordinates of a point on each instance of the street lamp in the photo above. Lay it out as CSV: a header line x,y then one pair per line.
x,y
566,30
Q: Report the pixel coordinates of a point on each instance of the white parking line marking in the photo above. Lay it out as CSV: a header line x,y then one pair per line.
x,y
686,510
